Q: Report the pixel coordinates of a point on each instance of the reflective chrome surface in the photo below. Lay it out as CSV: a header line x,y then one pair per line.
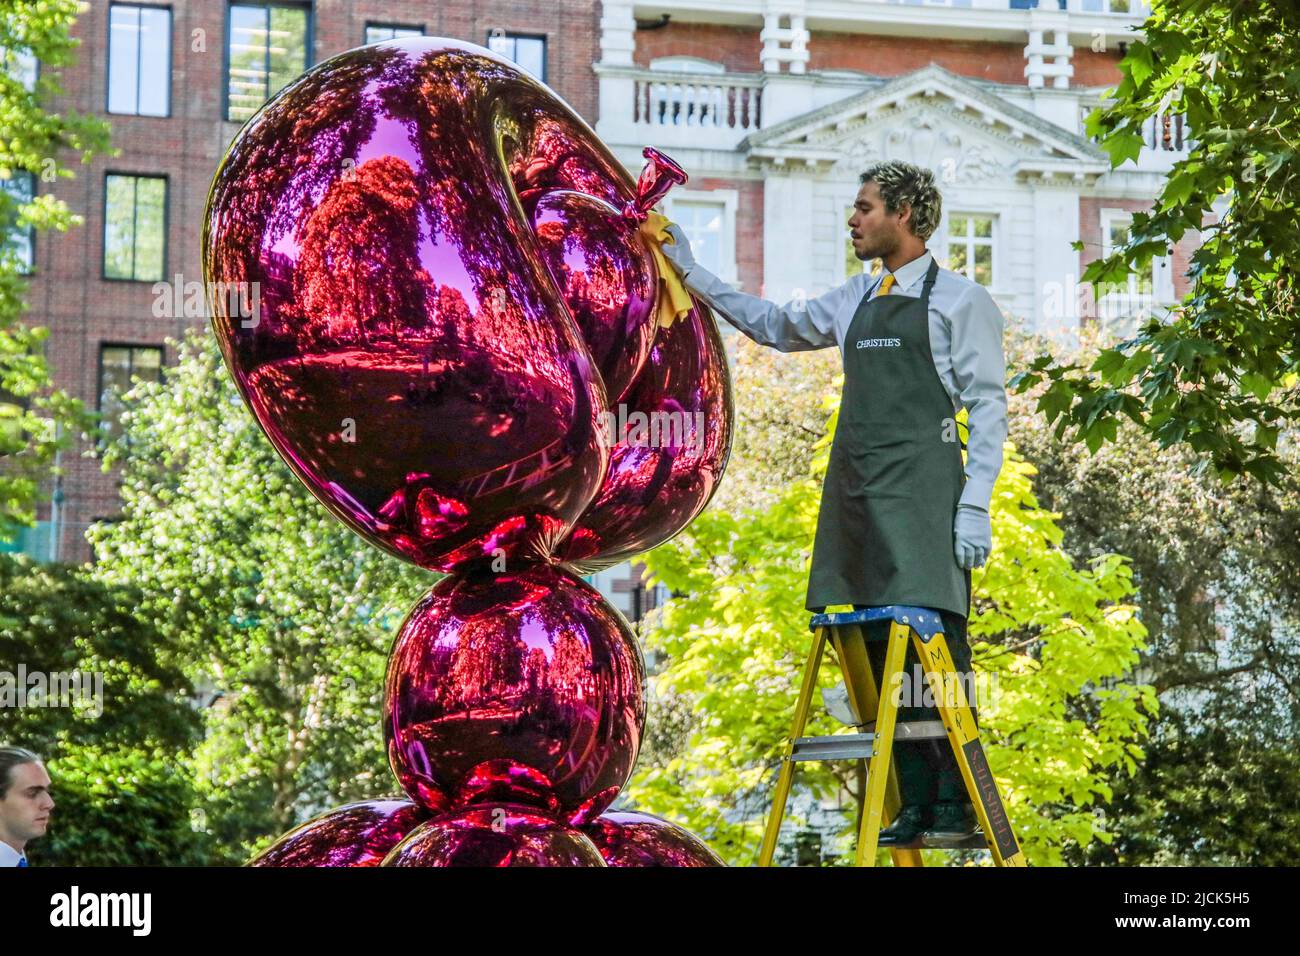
x,y
524,687
359,834
672,441
635,838
502,835
422,275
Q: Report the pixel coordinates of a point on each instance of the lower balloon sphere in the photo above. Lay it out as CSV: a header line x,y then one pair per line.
x,y
633,838
525,688
504,835
359,834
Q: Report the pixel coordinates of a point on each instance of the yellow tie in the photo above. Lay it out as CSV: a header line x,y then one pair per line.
x,y
886,283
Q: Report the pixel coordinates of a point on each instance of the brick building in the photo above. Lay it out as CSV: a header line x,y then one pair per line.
x,y
773,106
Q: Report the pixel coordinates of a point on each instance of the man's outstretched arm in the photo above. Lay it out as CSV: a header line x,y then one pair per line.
x,y
799,325
979,365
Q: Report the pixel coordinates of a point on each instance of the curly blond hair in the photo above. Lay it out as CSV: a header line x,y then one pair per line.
x,y
905,184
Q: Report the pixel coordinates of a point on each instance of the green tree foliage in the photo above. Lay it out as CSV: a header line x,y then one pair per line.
x,y
116,741
1058,643
1221,374
1218,577
34,416
282,616
1216,566
1206,795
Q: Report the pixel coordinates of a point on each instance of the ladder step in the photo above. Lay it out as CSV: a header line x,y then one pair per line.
x,y
915,729
837,747
856,746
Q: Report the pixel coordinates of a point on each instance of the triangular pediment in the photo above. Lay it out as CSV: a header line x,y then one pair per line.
x,y
933,118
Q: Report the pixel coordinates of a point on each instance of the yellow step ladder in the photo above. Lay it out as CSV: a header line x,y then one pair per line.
x,y
924,627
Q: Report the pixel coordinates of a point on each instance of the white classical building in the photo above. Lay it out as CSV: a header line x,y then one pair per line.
x,y
990,94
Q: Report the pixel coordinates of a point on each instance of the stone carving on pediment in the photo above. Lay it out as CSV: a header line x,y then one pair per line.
x,y
953,155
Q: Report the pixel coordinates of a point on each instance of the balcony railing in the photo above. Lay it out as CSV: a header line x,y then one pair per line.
x,y
1130,8
1167,133
1166,138
698,100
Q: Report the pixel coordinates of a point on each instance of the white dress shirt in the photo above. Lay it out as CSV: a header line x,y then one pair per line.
x,y
9,856
966,328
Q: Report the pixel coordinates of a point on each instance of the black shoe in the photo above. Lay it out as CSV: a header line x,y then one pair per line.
x,y
952,820
910,823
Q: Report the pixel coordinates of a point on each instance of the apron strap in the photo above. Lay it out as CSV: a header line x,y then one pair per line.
x,y
931,274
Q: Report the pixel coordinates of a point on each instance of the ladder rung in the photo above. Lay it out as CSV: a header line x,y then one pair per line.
x,y
916,729
837,747
855,746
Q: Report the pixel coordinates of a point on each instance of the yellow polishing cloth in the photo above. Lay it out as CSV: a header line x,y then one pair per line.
x,y
673,300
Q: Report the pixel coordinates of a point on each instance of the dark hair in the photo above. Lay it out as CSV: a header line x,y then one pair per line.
x,y
11,757
902,183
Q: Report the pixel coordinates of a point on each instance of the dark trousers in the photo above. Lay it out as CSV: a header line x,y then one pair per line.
x,y
927,769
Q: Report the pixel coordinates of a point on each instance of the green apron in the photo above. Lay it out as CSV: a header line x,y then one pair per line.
x,y
884,531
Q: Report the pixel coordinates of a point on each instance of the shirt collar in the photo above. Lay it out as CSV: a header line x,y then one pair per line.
x,y
8,855
910,273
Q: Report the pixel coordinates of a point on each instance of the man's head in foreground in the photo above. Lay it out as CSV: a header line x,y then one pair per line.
x,y
897,210
25,801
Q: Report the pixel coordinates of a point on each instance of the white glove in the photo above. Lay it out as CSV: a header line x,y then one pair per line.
x,y
678,252
972,535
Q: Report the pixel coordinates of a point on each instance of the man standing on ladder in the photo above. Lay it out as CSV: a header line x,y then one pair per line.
x,y
919,343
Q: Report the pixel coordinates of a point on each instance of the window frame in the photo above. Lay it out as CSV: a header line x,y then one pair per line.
x,y
994,242
99,367
108,59
18,54
729,199
31,230
1161,294
515,35
390,26
166,227
309,40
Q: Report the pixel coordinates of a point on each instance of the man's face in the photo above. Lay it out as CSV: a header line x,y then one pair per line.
x,y
874,231
25,809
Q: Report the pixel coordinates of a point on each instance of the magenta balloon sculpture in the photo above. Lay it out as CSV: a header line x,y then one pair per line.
x,y
410,356
522,688
429,292
359,834
634,838
495,836
430,284
608,278
673,437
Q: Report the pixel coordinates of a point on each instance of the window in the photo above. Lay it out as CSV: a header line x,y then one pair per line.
x,y
702,221
18,241
135,227
708,217
24,67
1138,294
970,246
139,59
378,32
266,48
119,367
528,52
